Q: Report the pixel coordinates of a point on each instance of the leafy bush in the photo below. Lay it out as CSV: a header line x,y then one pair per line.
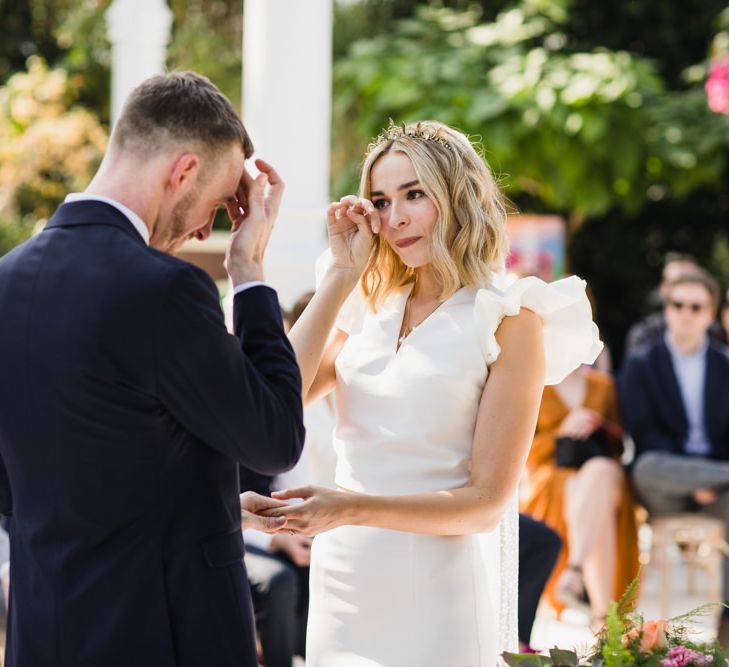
x,y
581,133
48,147
13,233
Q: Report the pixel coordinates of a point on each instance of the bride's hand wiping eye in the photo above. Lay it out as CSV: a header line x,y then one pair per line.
x,y
352,223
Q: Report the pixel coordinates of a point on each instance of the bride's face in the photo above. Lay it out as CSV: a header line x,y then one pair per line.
x,y
408,215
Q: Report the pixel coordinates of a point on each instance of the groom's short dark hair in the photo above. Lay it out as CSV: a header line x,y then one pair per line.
x,y
179,107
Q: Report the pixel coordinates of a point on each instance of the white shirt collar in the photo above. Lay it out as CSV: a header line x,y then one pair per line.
x,y
131,215
676,351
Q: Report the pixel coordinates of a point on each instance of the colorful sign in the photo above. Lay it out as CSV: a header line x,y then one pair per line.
x,y
537,246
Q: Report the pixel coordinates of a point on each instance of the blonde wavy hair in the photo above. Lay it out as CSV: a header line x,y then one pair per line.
x,y
469,239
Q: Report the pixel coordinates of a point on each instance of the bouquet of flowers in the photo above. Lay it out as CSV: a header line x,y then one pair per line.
x,y
627,640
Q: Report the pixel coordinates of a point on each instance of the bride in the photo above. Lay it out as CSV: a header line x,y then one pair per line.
x,y
437,397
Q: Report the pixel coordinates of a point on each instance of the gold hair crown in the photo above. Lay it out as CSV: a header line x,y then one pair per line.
x,y
393,132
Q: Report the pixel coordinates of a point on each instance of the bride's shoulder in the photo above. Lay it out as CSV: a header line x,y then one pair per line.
x,y
570,336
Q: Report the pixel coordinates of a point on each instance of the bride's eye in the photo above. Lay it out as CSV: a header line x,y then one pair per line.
x,y
379,203
415,194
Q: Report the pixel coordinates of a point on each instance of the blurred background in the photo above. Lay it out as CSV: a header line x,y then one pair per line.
x,y
610,119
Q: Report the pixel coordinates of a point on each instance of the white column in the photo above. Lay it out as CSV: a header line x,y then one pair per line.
x,y
287,62
138,31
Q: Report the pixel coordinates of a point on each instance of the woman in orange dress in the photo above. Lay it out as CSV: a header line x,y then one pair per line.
x,y
591,507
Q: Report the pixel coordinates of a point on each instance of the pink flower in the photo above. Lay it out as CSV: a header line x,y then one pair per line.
x,y
680,656
717,86
652,635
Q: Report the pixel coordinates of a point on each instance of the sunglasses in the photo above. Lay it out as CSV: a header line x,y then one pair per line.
x,y
693,307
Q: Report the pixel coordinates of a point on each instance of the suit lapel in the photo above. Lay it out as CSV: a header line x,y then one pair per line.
x,y
714,399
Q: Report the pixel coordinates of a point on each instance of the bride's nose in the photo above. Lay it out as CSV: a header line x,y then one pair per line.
x,y
397,217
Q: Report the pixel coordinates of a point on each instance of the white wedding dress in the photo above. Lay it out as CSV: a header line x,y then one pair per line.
x,y
405,425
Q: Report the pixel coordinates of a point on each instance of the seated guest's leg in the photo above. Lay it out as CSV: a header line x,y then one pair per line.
x,y
671,479
274,589
592,497
539,547
667,483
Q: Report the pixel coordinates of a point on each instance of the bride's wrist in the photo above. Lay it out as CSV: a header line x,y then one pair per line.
x,y
344,277
354,508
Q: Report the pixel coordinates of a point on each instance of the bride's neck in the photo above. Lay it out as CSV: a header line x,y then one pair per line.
x,y
427,286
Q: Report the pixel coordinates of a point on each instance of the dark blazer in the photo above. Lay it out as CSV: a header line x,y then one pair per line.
x,y
652,407
125,410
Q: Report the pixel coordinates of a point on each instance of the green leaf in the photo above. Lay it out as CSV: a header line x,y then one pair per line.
x,y
524,659
561,657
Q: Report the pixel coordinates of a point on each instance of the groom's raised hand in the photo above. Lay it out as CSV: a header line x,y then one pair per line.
x,y
251,503
253,214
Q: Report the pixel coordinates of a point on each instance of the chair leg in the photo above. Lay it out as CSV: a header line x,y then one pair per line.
x,y
660,558
691,566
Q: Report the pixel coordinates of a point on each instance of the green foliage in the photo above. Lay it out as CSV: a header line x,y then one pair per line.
x,y
673,34
12,233
626,640
86,53
562,657
27,29
579,132
649,28
626,604
65,33
526,659
71,34
48,145
207,38
612,649
689,144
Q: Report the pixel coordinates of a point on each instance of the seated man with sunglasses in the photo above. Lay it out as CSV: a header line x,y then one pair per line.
x,y
675,403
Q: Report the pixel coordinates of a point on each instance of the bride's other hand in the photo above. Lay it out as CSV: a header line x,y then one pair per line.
x,y
251,504
352,223
321,509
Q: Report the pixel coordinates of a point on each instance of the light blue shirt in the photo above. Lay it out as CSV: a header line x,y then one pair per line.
x,y
690,372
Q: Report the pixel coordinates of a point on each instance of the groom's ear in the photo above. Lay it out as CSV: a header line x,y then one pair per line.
x,y
184,174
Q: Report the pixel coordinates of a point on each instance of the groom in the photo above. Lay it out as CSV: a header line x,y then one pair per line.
x,y
126,407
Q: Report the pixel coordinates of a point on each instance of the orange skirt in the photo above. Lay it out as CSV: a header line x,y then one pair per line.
x,y
545,502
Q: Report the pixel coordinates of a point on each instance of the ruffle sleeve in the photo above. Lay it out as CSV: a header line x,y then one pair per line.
x,y
352,313
571,337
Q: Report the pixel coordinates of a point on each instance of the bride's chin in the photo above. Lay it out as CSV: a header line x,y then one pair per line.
x,y
410,259
414,263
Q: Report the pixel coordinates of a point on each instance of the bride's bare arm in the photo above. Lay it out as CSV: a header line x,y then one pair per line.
x,y
504,430
351,223
315,341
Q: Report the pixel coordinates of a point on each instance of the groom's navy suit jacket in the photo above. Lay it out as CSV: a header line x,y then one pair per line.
x,y
125,410
652,407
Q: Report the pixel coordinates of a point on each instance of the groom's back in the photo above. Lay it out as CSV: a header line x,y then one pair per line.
x,y
78,359
80,431
110,495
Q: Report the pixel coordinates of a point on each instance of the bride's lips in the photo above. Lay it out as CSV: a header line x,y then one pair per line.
x,y
407,242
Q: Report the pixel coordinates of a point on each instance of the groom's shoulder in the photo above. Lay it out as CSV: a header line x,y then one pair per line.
x,y
171,270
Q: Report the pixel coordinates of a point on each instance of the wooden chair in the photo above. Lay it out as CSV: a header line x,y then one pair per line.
x,y
700,540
